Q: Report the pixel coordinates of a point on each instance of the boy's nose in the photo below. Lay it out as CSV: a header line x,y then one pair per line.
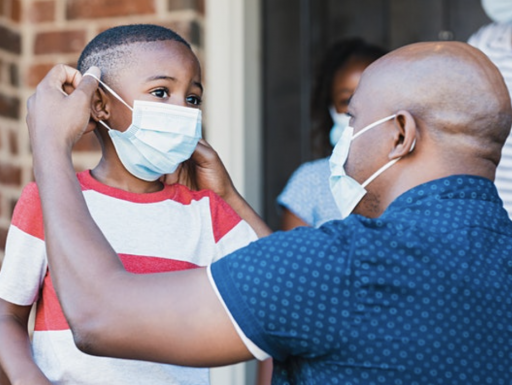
x,y
178,100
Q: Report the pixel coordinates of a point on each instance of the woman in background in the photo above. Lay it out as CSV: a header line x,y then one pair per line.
x,y
306,199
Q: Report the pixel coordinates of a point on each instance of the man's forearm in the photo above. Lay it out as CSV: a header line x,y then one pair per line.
x,y
77,250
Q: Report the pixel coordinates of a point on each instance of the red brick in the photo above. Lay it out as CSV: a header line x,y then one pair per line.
x,y
9,106
94,9
175,5
9,174
14,75
3,238
42,11
13,143
88,142
36,73
59,42
10,40
12,205
16,10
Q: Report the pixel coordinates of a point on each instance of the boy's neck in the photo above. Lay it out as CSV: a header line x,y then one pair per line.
x,y
115,175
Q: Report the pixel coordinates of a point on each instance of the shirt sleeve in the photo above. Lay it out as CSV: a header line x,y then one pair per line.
x,y
24,265
230,231
277,290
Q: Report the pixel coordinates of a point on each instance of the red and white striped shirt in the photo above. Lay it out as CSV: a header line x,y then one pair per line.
x,y
173,229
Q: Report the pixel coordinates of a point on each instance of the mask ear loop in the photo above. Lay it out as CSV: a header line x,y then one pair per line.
x,y
385,167
373,125
113,93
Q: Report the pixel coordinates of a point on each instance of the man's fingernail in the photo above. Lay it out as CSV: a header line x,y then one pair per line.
x,y
95,72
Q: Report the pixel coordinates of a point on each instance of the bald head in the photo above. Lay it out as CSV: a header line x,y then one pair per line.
x,y
456,95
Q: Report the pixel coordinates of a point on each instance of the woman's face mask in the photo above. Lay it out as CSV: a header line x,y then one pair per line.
x,y
341,121
160,137
499,11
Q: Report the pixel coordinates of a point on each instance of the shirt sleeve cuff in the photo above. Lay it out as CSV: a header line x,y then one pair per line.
x,y
258,353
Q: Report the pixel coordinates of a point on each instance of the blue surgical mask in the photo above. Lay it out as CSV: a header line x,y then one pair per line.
x,y
160,137
347,192
499,11
341,121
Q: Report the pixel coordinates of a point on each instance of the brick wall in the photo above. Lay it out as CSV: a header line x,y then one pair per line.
x,y
37,34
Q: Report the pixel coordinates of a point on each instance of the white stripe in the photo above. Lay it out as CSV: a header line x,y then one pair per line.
x,y
57,356
257,352
233,240
166,229
23,268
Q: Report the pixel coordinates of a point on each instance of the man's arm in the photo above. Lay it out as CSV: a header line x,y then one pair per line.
x,y
15,353
169,317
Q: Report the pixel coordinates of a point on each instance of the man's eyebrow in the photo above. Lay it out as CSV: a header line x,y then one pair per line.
x,y
164,77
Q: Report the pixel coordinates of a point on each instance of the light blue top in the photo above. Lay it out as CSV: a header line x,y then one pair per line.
x,y
308,196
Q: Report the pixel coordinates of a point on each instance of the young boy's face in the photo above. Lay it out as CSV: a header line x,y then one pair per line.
x,y
163,71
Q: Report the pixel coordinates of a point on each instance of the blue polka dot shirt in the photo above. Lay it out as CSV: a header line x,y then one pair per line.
x,y
420,295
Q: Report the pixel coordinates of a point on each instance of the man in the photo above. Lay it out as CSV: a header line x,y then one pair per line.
x,y
414,290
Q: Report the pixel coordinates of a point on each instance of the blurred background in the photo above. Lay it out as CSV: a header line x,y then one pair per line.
x,y
258,58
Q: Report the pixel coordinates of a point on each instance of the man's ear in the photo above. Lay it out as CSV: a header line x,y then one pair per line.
x,y
405,134
100,106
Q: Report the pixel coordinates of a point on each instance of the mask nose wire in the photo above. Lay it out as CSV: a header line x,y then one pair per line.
x,y
109,90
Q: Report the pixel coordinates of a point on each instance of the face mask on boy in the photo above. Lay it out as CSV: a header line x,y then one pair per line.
x,y
347,191
160,137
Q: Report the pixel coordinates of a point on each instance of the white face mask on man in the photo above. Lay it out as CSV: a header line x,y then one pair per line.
x,y
347,192
160,137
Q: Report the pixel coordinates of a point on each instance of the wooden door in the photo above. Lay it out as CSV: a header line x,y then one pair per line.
x,y
296,33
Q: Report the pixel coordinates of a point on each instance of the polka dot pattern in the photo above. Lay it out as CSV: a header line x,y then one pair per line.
x,y
421,295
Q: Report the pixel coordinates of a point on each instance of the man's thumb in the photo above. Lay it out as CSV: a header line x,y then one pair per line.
x,y
90,80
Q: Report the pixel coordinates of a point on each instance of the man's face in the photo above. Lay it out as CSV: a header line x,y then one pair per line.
x,y
370,151
164,72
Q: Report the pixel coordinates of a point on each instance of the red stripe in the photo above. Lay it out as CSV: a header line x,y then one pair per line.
x,y
224,218
27,215
49,313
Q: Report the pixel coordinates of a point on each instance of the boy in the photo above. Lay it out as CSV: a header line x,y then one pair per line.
x,y
153,227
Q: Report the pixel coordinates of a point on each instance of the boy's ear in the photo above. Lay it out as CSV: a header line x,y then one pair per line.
x,y
100,106
405,135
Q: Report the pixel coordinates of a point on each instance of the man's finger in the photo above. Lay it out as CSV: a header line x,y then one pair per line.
x,y
89,83
59,75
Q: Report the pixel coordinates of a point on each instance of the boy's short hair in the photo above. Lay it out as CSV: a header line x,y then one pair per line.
x,y
108,50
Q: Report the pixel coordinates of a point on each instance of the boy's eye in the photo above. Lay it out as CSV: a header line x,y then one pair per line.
x,y
160,93
194,100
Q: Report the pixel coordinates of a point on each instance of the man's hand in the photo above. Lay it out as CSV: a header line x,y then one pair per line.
x,y
55,119
204,171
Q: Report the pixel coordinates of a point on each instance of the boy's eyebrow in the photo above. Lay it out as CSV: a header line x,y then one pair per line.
x,y
164,77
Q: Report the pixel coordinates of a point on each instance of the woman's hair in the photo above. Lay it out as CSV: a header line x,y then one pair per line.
x,y
336,57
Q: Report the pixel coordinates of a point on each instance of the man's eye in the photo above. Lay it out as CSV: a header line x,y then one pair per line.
x,y
194,100
160,93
